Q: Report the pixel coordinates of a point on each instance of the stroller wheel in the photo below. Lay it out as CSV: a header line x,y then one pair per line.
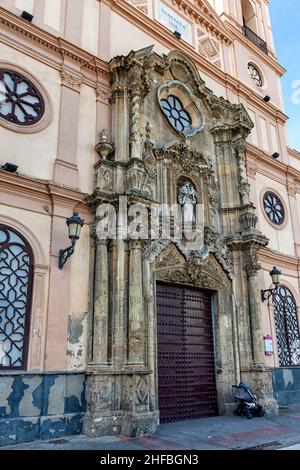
x,y
249,414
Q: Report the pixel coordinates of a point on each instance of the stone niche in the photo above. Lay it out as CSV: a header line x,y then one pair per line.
x,y
169,129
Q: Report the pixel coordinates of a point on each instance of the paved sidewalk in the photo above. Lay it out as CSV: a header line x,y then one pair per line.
x,y
220,433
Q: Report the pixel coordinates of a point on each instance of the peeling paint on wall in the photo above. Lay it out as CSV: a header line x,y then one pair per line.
x,y
76,347
40,406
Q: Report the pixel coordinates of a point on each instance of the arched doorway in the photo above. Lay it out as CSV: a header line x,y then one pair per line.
x,y
287,328
16,282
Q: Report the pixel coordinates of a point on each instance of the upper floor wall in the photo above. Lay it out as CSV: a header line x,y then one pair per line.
x,y
254,14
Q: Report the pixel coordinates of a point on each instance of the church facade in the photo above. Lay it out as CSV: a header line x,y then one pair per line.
x,y
117,110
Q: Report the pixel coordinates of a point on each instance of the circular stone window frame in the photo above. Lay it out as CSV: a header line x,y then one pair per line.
x,y
47,116
262,75
183,93
262,195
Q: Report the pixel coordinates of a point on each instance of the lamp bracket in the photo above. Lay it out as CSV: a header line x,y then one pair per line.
x,y
266,294
65,254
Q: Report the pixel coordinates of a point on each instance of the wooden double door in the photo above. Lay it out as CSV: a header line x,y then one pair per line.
x,y
186,365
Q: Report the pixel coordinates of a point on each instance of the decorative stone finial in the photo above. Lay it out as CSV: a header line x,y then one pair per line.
x,y
104,148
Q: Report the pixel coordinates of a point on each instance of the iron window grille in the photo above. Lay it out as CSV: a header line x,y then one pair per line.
x,y
287,327
16,280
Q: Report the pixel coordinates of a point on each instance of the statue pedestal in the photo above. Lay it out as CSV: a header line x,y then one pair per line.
x,y
118,403
260,380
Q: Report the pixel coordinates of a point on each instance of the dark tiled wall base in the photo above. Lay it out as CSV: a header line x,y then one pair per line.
x,y
41,406
286,385
16,430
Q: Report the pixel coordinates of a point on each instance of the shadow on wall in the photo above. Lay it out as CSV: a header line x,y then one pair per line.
x,y
286,385
40,406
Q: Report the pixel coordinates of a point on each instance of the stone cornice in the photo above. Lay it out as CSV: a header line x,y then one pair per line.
x,y
294,153
46,192
55,45
266,165
59,49
271,257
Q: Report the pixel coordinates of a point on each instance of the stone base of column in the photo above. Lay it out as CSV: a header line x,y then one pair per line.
x,y
118,402
260,379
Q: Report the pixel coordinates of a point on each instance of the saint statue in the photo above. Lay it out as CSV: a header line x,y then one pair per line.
x,y
187,198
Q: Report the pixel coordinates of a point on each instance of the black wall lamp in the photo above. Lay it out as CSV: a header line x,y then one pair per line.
x,y
275,275
27,16
74,223
9,167
177,34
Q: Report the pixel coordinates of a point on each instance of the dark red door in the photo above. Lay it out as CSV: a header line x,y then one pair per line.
x,y
186,369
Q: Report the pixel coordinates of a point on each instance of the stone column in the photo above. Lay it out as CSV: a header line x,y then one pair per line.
x,y
136,333
252,267
260,374
120,121
100,336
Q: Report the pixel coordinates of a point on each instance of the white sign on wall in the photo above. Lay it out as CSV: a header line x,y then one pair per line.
x,y
174,22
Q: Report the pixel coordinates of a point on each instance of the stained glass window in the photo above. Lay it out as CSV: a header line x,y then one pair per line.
x,y
16,264
274,208
255,75
20,101
177,116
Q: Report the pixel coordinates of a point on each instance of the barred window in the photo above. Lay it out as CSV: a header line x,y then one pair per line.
x,y
287,327
16,274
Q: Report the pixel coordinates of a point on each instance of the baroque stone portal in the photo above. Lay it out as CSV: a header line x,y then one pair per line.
x,y
151,162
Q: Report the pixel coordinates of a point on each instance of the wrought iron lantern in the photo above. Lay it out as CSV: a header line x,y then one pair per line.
x,y
275,275
74,223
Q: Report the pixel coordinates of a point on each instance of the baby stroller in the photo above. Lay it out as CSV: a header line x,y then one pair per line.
x,y
248,404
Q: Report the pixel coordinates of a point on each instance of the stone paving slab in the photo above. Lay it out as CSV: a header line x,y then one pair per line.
x,y
219,433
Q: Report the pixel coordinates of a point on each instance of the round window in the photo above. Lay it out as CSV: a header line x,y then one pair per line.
x,y
177,116
180,108
274,208
255,75
21,102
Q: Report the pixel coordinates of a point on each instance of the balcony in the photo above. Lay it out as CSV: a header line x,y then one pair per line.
x,y
255,39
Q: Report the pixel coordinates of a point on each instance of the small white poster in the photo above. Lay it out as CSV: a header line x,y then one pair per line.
x,y
174,22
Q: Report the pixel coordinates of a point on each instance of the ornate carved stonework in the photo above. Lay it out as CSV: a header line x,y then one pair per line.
x,y
102,94
71,80
209,47
170,257
291,189
251,265
104,179
142,394
251,169
148,155
104,148
248,218
182,154
171,266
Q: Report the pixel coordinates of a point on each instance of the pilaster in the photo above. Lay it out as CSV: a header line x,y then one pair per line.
x,y
66,170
